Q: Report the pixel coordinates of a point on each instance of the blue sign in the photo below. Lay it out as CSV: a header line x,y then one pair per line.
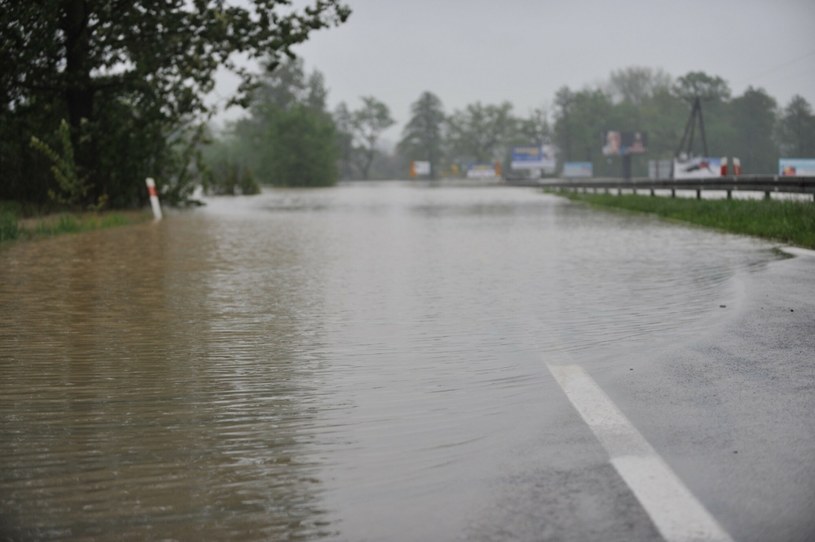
x,y
533,157
574,170
797,167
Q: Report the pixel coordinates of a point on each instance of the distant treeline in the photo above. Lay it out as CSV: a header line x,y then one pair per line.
x,y
93,100
751,127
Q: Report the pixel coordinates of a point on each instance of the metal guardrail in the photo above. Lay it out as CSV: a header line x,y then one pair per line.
x,y
767,184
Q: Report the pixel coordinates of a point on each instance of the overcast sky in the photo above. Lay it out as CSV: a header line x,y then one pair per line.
x,y
524,50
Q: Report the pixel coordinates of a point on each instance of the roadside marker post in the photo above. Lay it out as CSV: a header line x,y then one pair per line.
x,y
151,190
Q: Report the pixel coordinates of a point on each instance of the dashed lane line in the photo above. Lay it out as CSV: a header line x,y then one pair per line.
x,y
676,513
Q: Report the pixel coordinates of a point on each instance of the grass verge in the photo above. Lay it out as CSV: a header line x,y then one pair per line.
x,y
790,222
12,227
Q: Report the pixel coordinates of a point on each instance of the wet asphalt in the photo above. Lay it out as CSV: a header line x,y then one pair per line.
x,y
733,411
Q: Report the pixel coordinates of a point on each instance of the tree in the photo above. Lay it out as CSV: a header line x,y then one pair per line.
x,y
635,85
423,135
535,128
290,139
142,65
368,123
564,99
796,129
701,85
754,119
301,149
344,124
663,116
225,173
481,132
581,119
713,94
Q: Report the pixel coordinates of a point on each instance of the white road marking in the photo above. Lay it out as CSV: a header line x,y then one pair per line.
x,y
672,507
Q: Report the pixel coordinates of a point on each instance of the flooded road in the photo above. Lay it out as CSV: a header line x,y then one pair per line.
x,y
366,362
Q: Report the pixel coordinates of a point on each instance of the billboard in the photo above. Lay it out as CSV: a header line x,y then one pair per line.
x,y
482,171
620,143
659,169
800,167
418,167
575,170
697,168
534,157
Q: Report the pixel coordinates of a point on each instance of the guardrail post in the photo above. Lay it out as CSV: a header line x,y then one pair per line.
x,y
729,194
698,193
673,192
653,193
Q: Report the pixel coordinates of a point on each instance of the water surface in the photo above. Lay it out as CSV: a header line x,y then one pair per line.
x,y
361,362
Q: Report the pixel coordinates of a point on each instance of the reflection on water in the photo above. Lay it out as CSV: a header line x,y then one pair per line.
x,y
316,364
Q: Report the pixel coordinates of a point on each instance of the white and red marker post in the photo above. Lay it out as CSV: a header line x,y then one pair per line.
x,y
151,189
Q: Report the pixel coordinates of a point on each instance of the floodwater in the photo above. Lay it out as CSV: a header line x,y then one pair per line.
x,y
366,362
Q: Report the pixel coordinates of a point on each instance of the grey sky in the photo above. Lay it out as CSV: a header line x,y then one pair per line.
x,y
524,50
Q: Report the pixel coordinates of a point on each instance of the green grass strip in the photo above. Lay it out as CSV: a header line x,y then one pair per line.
x,y
13,228
790,222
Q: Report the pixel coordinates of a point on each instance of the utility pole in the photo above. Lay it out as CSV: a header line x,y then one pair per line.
x,y
694,118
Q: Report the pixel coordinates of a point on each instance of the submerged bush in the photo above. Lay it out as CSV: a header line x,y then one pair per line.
x,y
8,225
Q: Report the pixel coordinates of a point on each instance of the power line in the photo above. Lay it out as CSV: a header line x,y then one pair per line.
x,y
776,68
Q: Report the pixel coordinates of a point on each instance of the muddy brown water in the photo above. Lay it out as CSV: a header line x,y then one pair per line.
x,y
349,363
